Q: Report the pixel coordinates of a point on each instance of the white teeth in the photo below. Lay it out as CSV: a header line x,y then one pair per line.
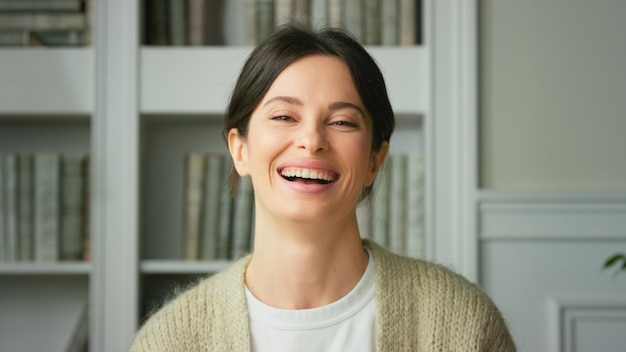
x,y
308,174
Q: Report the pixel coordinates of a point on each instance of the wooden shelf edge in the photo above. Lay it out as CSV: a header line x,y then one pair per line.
x,y
183,267
51,268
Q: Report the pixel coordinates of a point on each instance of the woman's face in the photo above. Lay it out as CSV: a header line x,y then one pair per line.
x,y
308,148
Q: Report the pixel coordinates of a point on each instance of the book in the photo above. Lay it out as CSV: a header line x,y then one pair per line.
x,y
242,219
192,207
177,22
86,256
283,11
11,184
397,204
302,12
157,22
223,244
371,22
415,206
70,37
196,22
3,239
380,200
252,34
211,205
264,18
15,38
389,22
42,21
335,13
353,18
72,202
40,6
407,22
26,207
47,204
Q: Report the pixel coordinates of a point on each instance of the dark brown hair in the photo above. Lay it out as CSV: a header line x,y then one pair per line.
x,y
289,43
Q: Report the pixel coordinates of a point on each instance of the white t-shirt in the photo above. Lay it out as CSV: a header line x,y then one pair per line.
x,y
344,325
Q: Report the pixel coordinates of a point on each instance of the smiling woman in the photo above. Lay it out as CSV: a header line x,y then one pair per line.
x,y
310,123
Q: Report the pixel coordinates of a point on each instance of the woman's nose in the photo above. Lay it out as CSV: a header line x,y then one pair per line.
x,y
313,137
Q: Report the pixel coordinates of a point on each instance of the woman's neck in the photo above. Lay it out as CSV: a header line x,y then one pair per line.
x,y
293,269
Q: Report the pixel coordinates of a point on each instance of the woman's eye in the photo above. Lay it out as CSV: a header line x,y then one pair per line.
x,y
282,118
345,123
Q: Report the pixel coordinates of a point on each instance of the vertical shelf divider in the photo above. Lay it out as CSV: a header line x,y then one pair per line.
x,y
115,211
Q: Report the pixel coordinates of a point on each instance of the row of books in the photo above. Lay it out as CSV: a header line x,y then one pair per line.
x,y
201,22
218,226
394,216
44,207
45,22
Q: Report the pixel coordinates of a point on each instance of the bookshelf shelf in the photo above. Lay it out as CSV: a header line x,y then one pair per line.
x,y
69,268
183,267
207,75
47,82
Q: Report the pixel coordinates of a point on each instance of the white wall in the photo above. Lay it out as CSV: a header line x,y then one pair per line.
x,y
553,88
552,161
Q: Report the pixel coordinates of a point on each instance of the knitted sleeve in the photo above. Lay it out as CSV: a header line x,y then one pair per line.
x,y
211,316
426,307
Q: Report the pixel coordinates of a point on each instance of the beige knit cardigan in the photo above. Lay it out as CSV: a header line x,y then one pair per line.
x,y
420,307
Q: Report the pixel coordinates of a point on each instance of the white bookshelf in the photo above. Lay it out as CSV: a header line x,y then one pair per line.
x,y
138,109
37,269
47,81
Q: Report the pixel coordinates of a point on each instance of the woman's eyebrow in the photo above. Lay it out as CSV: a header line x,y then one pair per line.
x,y
286,99
344,104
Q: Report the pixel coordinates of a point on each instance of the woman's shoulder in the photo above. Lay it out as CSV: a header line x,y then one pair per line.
x,y
421,293
188,311
423,278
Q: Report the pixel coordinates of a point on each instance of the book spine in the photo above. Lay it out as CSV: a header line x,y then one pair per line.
x,y
47,193
158,19
42,21
380,200
177,22
72,188
242,219
371,18
252,22
26,207
265,18
389,22
415,206
211,205
11,223
196,15
40,6
194,175
283,11
3,236
407,31
86,233
302,12
335,13
223,245
354,23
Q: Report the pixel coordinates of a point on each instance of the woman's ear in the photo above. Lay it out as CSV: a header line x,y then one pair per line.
x,y
376,161
237,147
